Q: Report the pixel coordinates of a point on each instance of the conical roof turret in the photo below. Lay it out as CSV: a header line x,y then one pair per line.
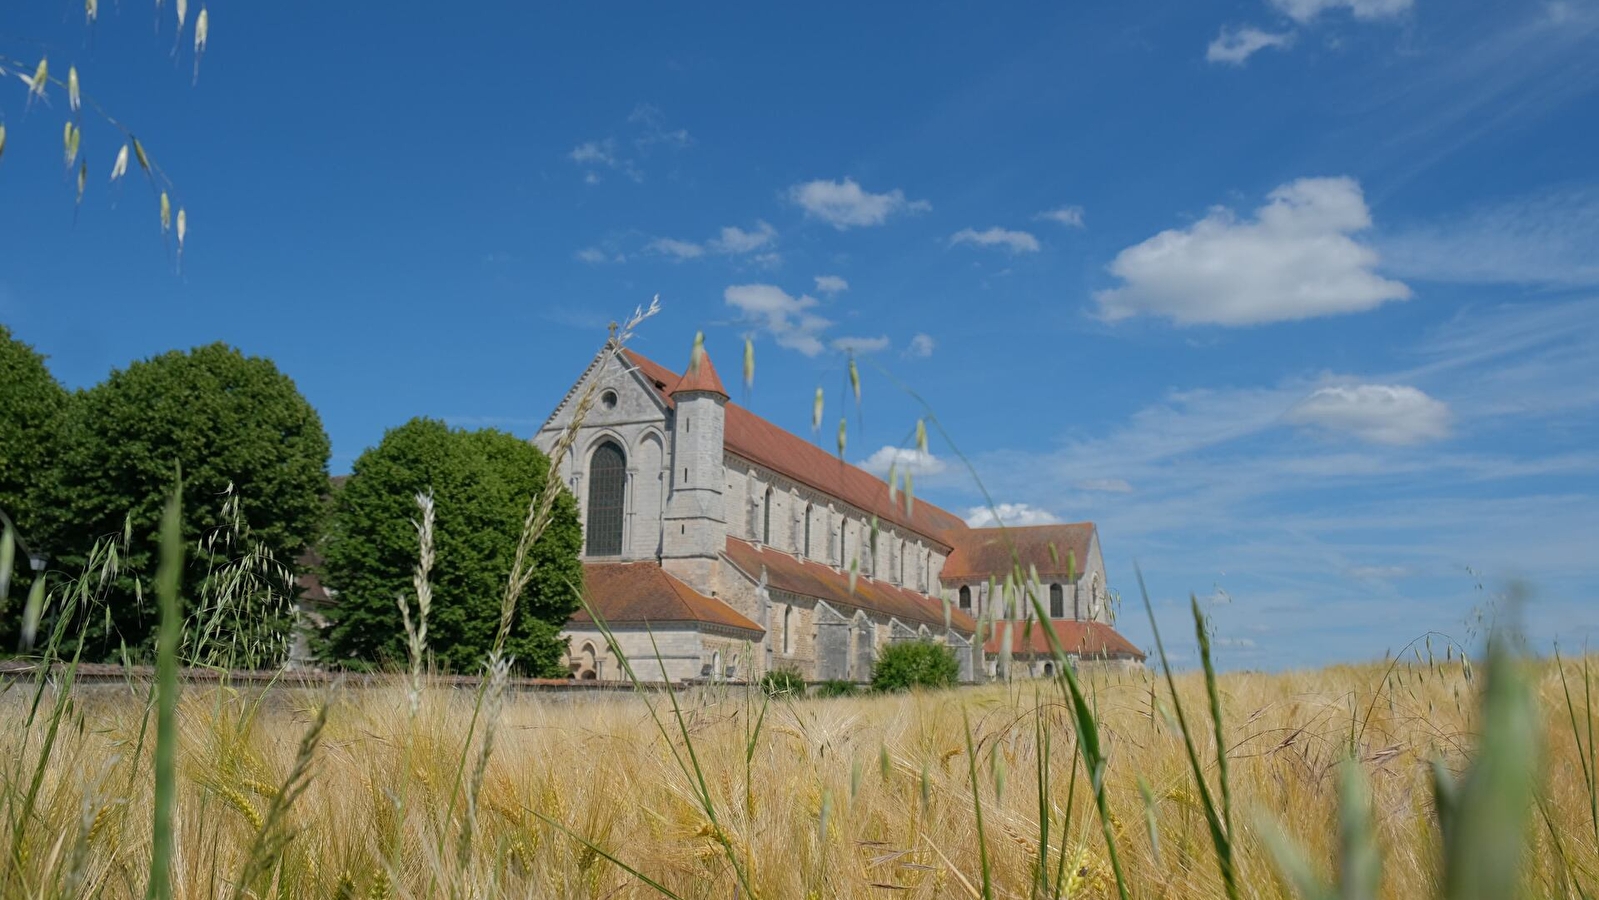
x,y
700,375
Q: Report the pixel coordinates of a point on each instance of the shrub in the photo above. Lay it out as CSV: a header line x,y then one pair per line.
x,y
835,688
783,681
915,664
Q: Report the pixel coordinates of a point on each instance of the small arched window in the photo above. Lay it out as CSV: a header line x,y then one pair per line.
x,y
1057,602
805,550
716,666
966,597
788,630
607,495
1049,670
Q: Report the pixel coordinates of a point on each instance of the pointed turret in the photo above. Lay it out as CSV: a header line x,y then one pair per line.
x,y
701,376
695,527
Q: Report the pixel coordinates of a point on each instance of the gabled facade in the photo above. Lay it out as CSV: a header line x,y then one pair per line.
x,y
820,564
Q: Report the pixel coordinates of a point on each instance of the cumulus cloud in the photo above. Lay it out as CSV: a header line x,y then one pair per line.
x,y
921,346
1378,413
861,344
1305,10
844,204
1008,514
595,153
1236,45
1296,259
902,459
830,284
786,318
737,240
1065,215
1014,241
592,255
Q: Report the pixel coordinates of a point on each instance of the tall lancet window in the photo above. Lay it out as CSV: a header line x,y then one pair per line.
x,y
607,490
766,523
805,550
1057,602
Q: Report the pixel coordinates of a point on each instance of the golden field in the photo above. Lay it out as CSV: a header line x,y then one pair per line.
x,y
869,796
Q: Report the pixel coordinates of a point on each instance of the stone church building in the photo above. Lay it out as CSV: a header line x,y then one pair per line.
x,y
718,546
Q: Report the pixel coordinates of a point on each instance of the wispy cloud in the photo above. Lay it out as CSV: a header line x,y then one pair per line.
x,y
730,241
845,204
645,130
1306,10
1014,241
861,344
1071,216
1236,45
921,346
1547,238
1296,259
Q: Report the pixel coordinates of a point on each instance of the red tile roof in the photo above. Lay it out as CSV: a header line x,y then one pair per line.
x,y
981,552
1090,640
759,441
699,377
643,592
813,579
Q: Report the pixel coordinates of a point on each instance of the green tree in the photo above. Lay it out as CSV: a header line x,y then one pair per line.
x,y
31,404
253,458
915,664
482,484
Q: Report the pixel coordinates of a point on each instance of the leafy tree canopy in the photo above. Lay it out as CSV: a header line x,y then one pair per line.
x,y
31,404
482,484
915,664
253,457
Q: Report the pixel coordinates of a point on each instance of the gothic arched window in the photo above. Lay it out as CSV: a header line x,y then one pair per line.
x,y
607,490
966,597
788,630
805,550
1057,602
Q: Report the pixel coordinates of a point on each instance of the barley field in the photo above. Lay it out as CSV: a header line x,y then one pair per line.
x,y
725,792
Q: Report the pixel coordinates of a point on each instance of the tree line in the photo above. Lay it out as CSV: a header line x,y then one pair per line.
x,y
84,475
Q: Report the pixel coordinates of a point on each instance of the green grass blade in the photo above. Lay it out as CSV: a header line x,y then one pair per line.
x,y
977,810
168,577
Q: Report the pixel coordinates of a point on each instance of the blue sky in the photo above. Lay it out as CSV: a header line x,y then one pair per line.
x,y
1297,299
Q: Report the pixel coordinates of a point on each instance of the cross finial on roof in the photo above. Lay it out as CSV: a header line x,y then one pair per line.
x,y
612,329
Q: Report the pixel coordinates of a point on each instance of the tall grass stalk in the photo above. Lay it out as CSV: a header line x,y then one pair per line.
x,y
167,583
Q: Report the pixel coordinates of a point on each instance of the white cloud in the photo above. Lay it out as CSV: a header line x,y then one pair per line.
x,y
787,319
902,459
679,249
1105,485
1547,238
1294,260
1305,10
861,344
1065,215
844,204
1010,514
830,284
1014,241
652,128
921,346
595,153
734,240
592,255
1236,45
1379,413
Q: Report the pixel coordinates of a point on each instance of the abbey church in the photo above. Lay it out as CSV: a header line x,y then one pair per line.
x,y
725,547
